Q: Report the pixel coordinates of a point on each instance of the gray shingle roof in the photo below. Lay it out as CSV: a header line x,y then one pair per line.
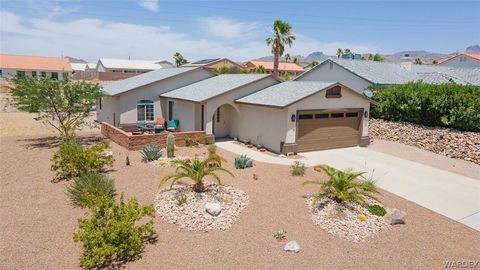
x,y
442,74
212,87
286,93
143,79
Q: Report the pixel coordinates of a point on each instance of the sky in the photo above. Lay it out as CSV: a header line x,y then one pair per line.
x,y
156,29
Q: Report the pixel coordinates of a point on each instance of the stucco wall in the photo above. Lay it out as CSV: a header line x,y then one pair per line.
x,y
348,100
8,73
462,62
335,73
110,110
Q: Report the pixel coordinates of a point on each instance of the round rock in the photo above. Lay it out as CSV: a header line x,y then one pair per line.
x,y
292,246
213,209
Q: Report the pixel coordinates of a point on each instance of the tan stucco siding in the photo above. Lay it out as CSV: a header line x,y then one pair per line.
x,y
110,110
349,100
184,112
335,73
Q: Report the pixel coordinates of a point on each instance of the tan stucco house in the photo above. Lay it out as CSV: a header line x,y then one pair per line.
x,y
294,116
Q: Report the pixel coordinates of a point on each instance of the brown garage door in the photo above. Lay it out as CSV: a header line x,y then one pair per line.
x,y
317,130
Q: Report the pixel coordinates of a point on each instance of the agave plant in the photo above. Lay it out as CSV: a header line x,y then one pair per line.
x,y
151,152
243,162
196,170
344,186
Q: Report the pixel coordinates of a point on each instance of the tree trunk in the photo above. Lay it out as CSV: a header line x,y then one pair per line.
x,y
275,65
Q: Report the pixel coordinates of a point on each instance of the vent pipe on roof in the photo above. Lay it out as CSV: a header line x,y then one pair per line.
x,y
406,62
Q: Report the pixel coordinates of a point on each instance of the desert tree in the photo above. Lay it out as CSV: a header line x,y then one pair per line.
x,y
179,59
339,52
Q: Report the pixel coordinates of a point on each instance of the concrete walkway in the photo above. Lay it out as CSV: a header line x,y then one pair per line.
x,y
452,195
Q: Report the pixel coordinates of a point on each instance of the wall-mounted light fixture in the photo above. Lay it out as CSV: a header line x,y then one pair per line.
x,y
365,114
293,117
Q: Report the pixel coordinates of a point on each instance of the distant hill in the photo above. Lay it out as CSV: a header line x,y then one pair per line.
x,y
76,60
473,48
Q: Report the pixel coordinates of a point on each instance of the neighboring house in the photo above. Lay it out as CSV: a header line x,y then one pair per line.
x,y
215,63
462,60
284,117
79,66
129,66
35,66
283,67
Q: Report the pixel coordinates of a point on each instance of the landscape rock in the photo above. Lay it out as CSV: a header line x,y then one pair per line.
x,y
213,209
397,217
445,141
292,246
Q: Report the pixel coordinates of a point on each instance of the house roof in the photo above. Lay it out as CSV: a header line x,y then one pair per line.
x,y
143,79
282,66
443,74
286,93
209,62
35,63
79,66
212,87
472,55
130,64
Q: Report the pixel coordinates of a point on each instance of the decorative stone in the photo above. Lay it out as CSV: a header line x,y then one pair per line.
x,y
292,246
397,217
213,209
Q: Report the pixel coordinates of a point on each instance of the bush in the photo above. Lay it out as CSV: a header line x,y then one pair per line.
x,y
88,189
190,141
243,162
447,105
73,160
377,210
212,149
280,234
297,168
112,235
151,152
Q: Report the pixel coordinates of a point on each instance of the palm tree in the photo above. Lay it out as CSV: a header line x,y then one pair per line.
x,y
295,60
287,57
343,186
339,52
179,60
348,51
282,35
260,69
195,170
418,61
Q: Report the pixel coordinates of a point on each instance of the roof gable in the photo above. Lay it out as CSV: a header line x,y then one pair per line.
x,y
130,64
282,66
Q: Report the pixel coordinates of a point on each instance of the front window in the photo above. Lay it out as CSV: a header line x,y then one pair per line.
x,y
34,74
21,73
170,110
55,75
145,110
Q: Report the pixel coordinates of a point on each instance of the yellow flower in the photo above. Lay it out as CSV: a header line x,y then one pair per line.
x,y
362,217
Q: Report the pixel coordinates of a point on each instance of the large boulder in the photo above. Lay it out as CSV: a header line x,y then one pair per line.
x,y
397,217
292,246
213,209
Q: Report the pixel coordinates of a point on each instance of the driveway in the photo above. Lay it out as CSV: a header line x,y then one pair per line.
x,y
452,195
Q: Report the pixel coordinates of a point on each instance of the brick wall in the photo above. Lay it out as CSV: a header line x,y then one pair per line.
x,y
138,142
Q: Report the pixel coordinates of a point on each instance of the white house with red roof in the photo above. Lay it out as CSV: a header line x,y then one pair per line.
x,y
35,66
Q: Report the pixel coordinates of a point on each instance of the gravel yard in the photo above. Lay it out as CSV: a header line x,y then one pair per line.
x,y
37,221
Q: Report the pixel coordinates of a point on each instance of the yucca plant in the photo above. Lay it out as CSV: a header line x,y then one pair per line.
x,y
344,186
88,189
151,152
243,162
196,170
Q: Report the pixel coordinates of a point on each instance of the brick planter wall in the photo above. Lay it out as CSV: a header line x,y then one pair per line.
x,y
138,142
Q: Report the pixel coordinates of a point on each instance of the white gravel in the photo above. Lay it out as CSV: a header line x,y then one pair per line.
x,y
343,220
192,215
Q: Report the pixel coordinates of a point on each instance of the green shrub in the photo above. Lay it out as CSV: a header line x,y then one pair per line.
x,y
89,189
243,162
447,105
297,168
280,234
151,152
190,141
181,199
377,210
72,160
212,148
112,233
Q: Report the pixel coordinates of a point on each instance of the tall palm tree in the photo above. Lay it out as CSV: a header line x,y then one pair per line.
x,y
287,57
196,170
295,60
179,60
282,35
339,52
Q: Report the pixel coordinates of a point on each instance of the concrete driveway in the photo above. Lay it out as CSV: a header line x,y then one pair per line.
x,y
452,195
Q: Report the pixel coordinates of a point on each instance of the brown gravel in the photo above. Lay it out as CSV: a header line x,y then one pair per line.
x,y
448,142
37,222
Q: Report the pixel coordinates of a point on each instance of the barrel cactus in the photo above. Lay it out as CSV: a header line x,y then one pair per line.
x,y
170,145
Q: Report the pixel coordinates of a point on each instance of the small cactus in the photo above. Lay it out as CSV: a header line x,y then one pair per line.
x,y
170,145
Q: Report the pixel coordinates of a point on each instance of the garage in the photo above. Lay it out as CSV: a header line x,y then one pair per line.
x,y
324,129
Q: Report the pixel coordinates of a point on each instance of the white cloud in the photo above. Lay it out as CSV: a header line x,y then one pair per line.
x,y
151,5
92,38
225,28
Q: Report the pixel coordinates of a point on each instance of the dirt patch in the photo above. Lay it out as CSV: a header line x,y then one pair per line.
x,y
37,222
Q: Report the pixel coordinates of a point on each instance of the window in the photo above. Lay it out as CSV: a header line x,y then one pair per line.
x,y
145,110
44,74
54,75
20,73
34,74
100,103
334,92
1,73
218,115
305,116
321,115
170,110
336,115
351,114
203,116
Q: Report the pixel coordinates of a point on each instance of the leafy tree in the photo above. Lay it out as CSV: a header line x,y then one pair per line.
x,y
370,57
282,36
195,170
260,69
286,76
348,51
223,70
287,57
179,60
363,58
434,62
245,70
339,52
313,63
62,104
343,186
377,57
418,61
